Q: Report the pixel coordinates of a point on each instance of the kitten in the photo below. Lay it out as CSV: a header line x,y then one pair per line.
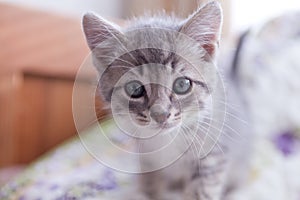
x,y
159,77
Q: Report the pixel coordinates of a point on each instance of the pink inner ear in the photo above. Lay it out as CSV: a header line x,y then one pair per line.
x,y
210,46
204,26
210,49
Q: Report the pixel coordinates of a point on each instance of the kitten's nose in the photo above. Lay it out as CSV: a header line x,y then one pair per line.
x,y
159,114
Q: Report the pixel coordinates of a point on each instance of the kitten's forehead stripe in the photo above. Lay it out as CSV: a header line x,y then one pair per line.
x,y
141,59
174,62
145,56
170,58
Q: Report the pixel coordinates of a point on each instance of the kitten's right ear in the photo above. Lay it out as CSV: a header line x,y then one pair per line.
x,y
204,26
97,29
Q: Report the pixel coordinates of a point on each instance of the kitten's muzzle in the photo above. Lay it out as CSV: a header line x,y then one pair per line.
x,y
159,114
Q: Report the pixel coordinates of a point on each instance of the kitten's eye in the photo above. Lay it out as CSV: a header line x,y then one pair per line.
x,y
182,85
134,89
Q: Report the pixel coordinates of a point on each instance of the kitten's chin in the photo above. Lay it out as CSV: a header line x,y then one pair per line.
x,y
156,127
168,127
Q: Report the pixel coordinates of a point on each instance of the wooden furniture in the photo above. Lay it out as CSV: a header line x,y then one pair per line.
x,y
39,57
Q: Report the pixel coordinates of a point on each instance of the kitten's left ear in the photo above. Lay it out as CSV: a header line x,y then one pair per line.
x,y
97,29
205,26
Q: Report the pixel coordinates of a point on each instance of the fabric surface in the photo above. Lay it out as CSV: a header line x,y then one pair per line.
x,y
70,172
268,70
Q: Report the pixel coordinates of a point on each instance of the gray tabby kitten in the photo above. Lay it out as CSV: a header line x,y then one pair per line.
x,y
159,77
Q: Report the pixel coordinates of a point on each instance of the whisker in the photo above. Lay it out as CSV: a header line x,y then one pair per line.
x,y
227,135
223,111
194,151
199,141
216,142
232,106
226,125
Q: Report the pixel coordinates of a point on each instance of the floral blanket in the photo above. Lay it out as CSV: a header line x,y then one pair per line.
x,y
70,172
268,68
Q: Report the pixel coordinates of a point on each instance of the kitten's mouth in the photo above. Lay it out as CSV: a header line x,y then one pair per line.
x,y
167,125
152,124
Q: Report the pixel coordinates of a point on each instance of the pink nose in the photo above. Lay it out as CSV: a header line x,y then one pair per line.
x,y
160,117
159,114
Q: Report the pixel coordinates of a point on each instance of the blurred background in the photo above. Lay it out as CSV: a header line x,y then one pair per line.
x,y
42,46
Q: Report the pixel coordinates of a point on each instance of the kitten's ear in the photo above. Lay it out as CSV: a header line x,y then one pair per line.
x,y
205,26
97,29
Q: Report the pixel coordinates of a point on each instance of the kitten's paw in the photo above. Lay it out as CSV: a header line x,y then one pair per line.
x,y
171,196
190,197
136,197
167,196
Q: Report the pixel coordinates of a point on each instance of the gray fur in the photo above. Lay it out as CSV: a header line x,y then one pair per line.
x,y
131,53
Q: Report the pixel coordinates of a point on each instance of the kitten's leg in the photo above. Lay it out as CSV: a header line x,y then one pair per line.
x,y
134,196
152,184
209,183
132,192
148,187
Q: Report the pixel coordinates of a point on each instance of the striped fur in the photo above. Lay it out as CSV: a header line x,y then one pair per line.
x,y
155,50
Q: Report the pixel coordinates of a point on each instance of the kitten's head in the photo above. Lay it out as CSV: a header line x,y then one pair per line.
x,y
158,71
